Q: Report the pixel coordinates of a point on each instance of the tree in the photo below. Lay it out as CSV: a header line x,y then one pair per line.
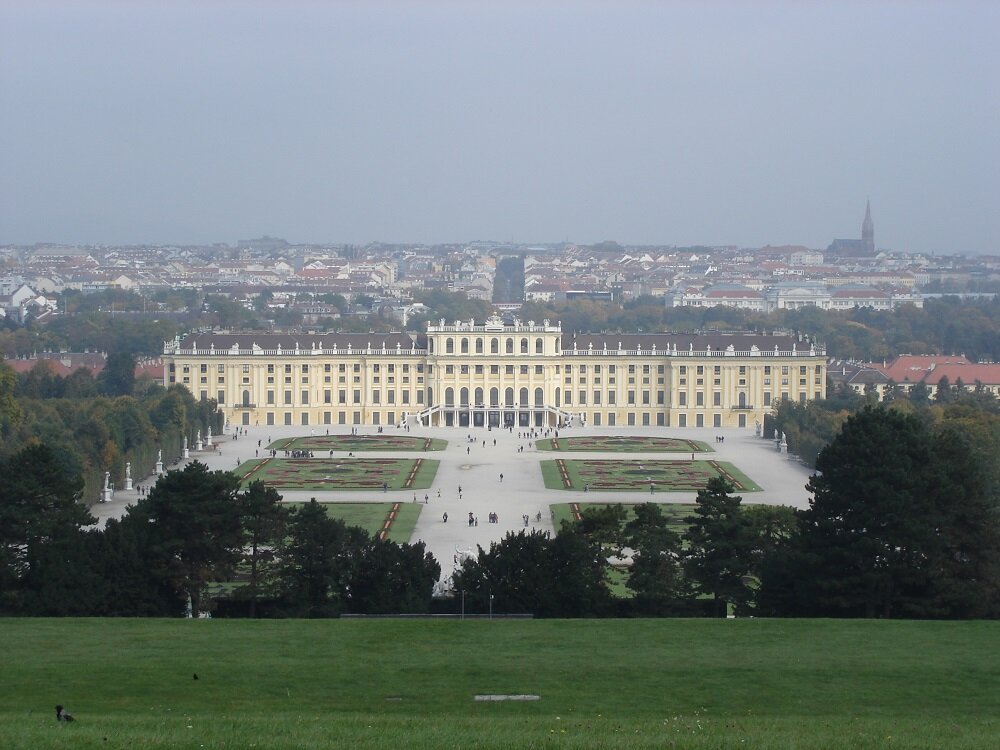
x,y
264,522
655,576
944,393
920,394
227,312
964,479
603,524
869,534
79,384
39,506
720,548
195,519
118,376
10,411
393,578
126,559
318,561
531,572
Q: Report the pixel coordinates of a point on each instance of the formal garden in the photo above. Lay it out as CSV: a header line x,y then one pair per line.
x,y
324,474
649,476
352,443
623,444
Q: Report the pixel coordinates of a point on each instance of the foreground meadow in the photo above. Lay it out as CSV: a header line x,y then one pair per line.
x,y
411,683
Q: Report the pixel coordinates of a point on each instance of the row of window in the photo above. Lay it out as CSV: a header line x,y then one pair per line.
x,y
304,369
717,369
325,418
597,419
479,345
508,369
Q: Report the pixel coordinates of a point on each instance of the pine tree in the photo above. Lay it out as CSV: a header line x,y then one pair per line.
x,y
869,534
194,519
264,522
720,548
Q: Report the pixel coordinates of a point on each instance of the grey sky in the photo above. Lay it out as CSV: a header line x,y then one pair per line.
x,y
717,123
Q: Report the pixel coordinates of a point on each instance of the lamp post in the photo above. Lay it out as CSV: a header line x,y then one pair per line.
x,y
463,605
491,606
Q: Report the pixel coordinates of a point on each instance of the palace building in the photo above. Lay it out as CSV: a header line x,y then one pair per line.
x,y
496,373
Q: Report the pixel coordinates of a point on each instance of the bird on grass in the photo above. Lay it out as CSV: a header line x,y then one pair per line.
x,y
63,715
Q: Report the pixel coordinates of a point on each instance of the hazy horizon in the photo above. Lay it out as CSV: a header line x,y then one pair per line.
x,y
674,123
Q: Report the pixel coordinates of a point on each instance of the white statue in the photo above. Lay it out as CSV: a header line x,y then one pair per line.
x,y
128,470
107,479
159,457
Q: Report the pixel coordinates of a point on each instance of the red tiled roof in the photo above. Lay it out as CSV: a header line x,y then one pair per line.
x,y
910,368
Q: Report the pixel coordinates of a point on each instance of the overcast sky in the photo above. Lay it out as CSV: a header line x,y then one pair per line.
x,y
742,123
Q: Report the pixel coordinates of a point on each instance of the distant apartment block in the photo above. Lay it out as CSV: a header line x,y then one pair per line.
x,y
790,295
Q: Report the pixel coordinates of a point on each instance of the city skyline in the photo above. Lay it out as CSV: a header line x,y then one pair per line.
x,y
649,124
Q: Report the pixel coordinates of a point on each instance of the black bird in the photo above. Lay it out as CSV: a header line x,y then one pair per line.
x,y
196,675
63,715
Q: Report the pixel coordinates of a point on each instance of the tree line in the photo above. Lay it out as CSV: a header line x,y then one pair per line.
x,y
97,425
194,529
946,325
812,425
904,522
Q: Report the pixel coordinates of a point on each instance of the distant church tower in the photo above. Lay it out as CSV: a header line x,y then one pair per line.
x,y
868,231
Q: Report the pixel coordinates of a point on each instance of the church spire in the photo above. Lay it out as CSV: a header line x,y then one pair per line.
x,y
868,230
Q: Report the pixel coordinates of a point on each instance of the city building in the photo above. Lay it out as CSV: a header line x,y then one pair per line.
x,y
863,248
496,373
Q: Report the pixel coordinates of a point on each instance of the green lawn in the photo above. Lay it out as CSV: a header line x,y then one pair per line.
x,y
623,444
631,475
340,474
371,517
350,443
604,684
674,513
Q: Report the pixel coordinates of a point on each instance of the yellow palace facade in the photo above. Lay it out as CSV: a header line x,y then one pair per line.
x,y
496,373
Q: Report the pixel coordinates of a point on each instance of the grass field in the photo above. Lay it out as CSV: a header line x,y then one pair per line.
x,y
338,474
623,444
351,443
622,475
673,512
608,684
371,517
